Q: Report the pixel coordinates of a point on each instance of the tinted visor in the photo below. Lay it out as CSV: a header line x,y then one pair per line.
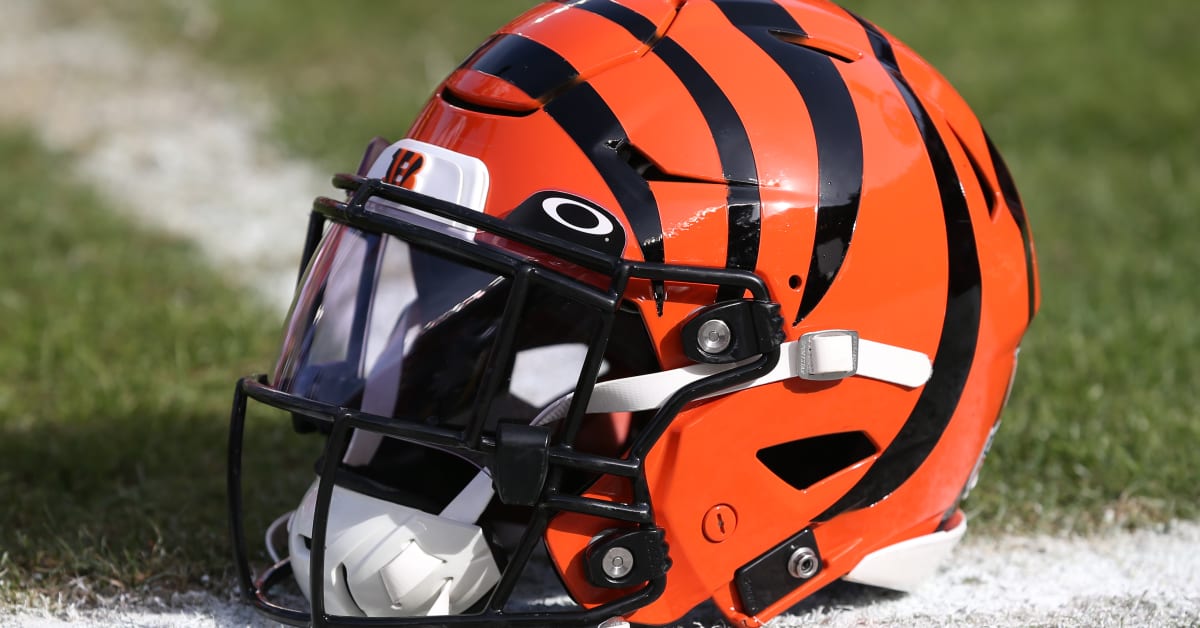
x,y
385,327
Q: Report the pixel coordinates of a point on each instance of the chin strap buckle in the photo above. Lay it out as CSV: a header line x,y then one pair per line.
x,y
824,355
840,353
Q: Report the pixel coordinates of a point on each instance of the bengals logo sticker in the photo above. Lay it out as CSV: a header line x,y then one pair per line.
x,y
404,168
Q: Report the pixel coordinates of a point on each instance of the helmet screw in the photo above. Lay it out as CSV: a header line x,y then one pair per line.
x,y
804,563
617,562
714,336
719,522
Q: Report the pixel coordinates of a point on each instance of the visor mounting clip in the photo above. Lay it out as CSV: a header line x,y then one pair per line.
x,y
521,463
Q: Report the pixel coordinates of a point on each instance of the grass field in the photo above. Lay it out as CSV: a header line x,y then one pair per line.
x,y
118,348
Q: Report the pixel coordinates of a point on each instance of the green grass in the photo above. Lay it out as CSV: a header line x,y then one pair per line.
x,y
118,348
118,353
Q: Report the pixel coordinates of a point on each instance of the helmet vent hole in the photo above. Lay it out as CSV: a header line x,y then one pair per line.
x,y
989,193
794,282
644,166
829,48
464,100
803,463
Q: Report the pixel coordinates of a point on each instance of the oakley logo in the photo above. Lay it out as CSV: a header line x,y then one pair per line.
x,y
571,218
575,215
404,168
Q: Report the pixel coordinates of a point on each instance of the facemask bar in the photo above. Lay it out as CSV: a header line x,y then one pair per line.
x,y
471,441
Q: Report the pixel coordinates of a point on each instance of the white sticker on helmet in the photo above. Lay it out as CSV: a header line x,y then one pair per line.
x,y
434,171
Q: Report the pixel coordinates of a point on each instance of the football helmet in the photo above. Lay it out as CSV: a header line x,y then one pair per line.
x,y
677,300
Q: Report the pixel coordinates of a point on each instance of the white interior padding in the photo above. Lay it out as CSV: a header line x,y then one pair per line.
x,y
397,561
471,501
905,565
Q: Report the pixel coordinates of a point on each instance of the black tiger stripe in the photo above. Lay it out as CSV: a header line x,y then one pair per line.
x,y
960,327
637,24
532,67
838,137
729,133
592,125
735,153
582,113
1008,188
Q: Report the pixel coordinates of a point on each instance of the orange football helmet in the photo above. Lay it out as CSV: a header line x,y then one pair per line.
x,y
708,299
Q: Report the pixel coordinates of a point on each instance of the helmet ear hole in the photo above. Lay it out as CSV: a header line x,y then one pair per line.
x,y
805,462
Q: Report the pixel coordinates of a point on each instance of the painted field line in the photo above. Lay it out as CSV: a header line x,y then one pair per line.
x,y
173,146
1139,578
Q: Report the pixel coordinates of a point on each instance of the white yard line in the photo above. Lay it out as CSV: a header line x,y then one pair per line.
x,y
1139,578
186,152
174,146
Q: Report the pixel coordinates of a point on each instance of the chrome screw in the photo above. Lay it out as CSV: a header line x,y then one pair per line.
x,y
804,563
714,336
617,562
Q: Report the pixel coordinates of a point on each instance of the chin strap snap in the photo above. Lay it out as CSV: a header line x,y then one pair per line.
x,y
821,355
840,353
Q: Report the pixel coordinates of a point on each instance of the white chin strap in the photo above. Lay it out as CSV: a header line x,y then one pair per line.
x,y
820,355
387,560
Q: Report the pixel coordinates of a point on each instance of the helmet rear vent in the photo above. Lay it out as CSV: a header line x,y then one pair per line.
x,y
802,463
989,193
464,101
647,169
836,50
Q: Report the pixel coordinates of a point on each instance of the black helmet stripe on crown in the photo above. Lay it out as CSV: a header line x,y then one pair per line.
x,y
637,24
522,62
592,125
736,155
838,135
724,124
960,328
582,113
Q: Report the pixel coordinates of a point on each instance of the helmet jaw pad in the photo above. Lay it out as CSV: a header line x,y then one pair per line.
x,y
387,559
